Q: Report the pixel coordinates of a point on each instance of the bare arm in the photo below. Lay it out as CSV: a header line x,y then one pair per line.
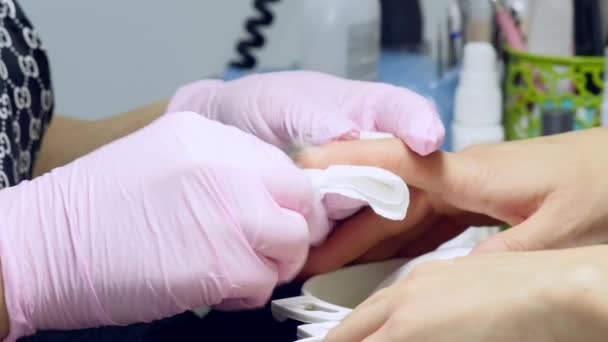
x,y
67,139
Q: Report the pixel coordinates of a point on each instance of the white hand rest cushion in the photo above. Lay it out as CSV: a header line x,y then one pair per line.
x,y
442,254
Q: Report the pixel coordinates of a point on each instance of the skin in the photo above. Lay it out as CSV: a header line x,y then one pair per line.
x,y
520,285
526,296
67,139
553,190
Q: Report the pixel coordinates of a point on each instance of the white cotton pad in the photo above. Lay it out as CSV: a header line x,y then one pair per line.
x,y
366,135
383,191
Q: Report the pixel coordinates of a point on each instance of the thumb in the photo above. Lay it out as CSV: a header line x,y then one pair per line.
x,y
536,233
284,240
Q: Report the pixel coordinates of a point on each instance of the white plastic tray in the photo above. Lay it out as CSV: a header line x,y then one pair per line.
x,y
327,299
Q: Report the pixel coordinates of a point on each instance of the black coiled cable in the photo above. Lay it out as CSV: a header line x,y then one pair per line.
x,y
255,40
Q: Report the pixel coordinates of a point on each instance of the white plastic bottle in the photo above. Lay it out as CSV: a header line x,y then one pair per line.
x,y
341,37
478,99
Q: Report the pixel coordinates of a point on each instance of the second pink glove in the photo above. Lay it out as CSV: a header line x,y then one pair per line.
x,y
303,107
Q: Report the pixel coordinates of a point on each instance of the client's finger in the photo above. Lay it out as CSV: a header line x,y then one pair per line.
x,y
435,172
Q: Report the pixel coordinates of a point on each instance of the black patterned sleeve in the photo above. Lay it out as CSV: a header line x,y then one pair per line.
x,y
26,96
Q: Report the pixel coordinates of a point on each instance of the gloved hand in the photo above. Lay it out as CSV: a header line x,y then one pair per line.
x,y
302,108
184,213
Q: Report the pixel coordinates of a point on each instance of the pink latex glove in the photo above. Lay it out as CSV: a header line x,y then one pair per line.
x,y
184,213
302,107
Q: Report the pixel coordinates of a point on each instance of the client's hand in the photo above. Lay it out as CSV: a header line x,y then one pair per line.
x,y
529,297
553,190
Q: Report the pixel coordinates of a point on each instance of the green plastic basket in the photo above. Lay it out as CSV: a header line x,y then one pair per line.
x,y
534,83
